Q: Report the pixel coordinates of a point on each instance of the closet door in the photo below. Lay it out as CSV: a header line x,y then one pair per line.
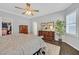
x,y
23,29
35,31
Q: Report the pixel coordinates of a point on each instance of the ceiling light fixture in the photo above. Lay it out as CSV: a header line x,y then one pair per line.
x,y
28,10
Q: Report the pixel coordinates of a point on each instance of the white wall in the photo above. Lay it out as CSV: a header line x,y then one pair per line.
x,y
16,21
47,18
72,39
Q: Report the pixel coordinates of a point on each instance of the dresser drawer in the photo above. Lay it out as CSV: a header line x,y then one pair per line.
x,y
47,35
49,41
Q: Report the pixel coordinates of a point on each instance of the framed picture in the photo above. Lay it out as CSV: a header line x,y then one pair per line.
x,y
43,26
49,26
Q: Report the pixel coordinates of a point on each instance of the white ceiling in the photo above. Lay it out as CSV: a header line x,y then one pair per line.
x,y
44,8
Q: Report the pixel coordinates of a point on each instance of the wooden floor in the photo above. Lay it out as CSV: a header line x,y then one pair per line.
x,y
66,49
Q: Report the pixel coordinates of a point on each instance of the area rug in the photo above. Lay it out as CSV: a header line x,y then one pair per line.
x,y
52,49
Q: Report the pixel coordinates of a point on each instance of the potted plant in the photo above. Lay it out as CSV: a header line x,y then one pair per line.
x,y
59,28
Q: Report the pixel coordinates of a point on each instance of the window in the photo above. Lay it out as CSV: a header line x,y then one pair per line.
x,y
71,23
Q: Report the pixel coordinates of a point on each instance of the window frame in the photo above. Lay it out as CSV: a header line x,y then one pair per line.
x,y
72,23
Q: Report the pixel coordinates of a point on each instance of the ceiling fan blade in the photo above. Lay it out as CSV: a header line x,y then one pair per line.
x,y
32,13
36,10
23,13
19,7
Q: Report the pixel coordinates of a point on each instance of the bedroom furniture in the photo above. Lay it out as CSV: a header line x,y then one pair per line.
x,y
6,28
48,36
23,29
52,49
20,44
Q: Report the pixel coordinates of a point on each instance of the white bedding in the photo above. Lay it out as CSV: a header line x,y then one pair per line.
x,y
20,44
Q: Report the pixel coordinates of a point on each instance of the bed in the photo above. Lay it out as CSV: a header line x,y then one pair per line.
x,y
20,44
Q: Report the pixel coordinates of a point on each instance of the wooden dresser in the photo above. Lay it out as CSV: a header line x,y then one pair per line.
x,y
48,36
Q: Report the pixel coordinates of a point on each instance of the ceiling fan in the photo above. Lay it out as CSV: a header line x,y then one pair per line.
x,y
28,10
